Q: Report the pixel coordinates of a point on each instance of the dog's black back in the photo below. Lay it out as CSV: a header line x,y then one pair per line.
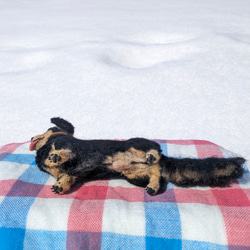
x,y
90,154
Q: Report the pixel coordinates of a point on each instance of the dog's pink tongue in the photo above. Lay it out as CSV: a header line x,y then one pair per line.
x,y
32,145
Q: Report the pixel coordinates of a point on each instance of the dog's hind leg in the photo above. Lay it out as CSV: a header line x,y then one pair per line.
x,y
139,167
152,170
138,174
154,179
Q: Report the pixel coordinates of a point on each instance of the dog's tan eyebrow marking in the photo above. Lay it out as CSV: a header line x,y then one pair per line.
x,y
43,138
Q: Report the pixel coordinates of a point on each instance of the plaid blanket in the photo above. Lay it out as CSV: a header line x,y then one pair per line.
x,y
113,214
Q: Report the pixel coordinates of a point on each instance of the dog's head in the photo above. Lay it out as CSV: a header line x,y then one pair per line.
x,y
62,127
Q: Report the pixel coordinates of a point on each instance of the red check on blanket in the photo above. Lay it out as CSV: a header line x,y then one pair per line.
x,y
113,214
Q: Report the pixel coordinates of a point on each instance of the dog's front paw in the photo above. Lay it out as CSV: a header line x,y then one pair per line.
x,y
57,190
54,158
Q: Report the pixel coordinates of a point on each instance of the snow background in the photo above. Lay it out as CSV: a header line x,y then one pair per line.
x,y
158,69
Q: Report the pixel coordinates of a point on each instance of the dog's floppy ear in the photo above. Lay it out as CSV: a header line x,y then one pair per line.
x,y
63,125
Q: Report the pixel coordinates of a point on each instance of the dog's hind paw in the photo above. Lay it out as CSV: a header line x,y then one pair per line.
x,y
150,158
150,191
57,190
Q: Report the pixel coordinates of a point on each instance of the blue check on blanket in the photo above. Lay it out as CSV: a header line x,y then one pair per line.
x,y
113,214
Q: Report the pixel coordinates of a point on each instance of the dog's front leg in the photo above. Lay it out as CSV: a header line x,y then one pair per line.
x,y
58,157
63,183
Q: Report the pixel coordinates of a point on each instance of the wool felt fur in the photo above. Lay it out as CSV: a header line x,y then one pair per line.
x,y
138,160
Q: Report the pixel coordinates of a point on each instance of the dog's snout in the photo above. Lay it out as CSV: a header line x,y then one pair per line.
x,y
32,138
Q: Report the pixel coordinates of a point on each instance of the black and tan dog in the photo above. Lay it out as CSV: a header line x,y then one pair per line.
x,y
138,160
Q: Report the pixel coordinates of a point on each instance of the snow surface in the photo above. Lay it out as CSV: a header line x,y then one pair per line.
x,y
119,69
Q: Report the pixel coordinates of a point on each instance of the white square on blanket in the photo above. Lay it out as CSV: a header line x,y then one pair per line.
x,y
120,183
201,222
51,180
49,214
181,151
124,217
24,149
12,170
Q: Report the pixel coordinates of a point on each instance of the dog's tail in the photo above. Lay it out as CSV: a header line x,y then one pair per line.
x,y
63,125
202,172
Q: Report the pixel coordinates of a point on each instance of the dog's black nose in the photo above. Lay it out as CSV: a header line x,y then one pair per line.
x,y
32,138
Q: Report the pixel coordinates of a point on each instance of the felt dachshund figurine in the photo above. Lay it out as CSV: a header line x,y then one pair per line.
x,y
138,160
